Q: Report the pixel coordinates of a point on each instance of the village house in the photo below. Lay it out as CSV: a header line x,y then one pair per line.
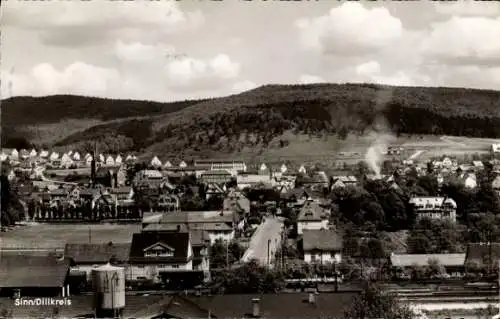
x,y
152,253
343,181
495,149
28,275
251,180
322,246
216,224
232,166
216,176
214,190
495,184
155,162
313,217
168,202
183,164
33,153
86,256
403,264
66,161
123,193
118,160
43,154
435,208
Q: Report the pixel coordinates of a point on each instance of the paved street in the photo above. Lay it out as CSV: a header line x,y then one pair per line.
x,y
269,230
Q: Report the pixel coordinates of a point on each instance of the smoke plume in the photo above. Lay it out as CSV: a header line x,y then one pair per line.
x,y
380,133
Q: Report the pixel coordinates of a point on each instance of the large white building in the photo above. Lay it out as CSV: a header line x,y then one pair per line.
x,y
443,208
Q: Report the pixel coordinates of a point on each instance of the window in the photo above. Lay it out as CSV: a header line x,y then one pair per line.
x,y
175,266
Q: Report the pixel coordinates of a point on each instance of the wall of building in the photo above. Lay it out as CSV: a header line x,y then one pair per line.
x,y
311,225
322,257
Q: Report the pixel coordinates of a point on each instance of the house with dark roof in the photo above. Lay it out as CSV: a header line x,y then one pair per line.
x,y
312,216
22,274
84,257
154,253
322,246
216,176
434,207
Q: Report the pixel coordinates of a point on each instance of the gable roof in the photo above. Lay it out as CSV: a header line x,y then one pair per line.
x,y
407,260
323,239
21,270
311,211
97,253
178,241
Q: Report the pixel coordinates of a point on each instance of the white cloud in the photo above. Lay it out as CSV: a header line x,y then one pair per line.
x,y
81,22
77,78
368,68
464,40
310,79
191,72
468,8
142,53
350,29
243,86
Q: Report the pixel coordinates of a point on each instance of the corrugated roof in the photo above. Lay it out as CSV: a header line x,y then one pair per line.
x,y
407,260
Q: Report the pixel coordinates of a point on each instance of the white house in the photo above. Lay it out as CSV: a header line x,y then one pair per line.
x,y
322,246
70,152
87,156
182,164
66,161
167,164
302,169
155,162
110,161
76,156
495,148
128,158
43,154
102,159
263,167
283,169
3,156
153,253
249,180
33,153
312,216
118,160
54,156
447,162
88,160
11,175
470,181
435,207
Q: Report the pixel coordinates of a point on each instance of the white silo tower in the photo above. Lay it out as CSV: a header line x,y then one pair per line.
x,y
109,291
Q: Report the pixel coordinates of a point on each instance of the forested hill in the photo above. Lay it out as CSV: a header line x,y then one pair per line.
x,y
259,117
54,108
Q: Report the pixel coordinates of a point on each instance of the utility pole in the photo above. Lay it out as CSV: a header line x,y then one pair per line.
x,y
227,254
268,252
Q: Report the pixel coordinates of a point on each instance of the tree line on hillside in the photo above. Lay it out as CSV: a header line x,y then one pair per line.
x,y
258,118
52,109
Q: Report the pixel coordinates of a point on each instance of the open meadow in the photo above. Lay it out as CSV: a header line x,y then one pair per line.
x,y
329,150
54,236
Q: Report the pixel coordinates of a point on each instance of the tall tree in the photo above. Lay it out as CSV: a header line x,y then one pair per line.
x,y
374,303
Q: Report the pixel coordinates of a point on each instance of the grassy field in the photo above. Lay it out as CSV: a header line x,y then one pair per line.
x,y
326,150
57,235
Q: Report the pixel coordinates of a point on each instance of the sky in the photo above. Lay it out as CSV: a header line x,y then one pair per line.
x,y
166,50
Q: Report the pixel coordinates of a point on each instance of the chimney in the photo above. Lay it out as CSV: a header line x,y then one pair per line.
x,y
255,307
312,298
178,228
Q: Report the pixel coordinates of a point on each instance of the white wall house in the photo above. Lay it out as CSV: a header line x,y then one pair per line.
x,y
152,253
322,246
33,153
76,156
118,160
155,162
435,208
43,154
312,217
